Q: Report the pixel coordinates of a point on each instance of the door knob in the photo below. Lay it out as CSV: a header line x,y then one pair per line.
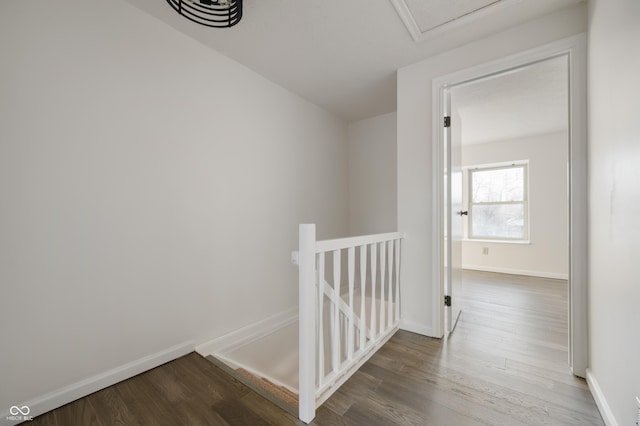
x,y
463,213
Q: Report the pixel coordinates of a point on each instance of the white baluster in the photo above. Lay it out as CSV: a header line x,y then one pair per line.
x,y
374,267
351,256
363,309
320,315
390,280
335,344
397,268
383,264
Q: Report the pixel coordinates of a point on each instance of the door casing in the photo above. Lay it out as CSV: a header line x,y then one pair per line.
x,y
574,48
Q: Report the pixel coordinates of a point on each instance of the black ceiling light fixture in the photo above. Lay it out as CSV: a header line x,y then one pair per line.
x,y
211,13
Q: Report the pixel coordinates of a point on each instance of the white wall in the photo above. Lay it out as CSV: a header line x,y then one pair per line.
x,y
151,191
547,254
614,204
372,175
415,183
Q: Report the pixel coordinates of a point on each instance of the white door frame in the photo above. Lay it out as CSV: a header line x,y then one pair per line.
x,y
574,48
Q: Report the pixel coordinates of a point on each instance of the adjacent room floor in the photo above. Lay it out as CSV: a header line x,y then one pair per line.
x,y
505,364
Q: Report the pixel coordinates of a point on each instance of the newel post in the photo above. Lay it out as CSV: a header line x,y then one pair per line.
x,y
307,318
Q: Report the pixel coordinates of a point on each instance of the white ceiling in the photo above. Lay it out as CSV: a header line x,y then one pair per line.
x,y
525,102
341,55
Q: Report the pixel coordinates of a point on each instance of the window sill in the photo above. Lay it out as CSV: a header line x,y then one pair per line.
x,y
521,242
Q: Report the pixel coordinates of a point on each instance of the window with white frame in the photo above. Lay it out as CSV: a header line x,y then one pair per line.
x,y
498,202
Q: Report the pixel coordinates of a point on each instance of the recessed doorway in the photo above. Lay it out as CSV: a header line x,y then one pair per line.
x,y
513,133
509,225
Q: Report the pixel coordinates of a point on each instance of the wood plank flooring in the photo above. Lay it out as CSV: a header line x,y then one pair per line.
x,y
505,364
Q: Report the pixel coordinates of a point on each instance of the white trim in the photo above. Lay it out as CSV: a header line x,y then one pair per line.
x,y
541,274
407,18
468,189
574,48
236,365
416,33
499,164
67,394
343,243
509,63
245,335
578,206
517,242
601,401
414,327
437,228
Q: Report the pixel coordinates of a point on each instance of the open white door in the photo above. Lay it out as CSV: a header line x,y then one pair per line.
x,y
453,211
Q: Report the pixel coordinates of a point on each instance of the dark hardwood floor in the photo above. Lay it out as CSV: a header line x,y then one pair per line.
x,y
505,364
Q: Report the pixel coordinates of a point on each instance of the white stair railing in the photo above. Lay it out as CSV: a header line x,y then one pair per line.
x,y
342,324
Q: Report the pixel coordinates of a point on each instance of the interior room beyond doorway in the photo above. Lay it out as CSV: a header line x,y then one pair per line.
x,y
512,133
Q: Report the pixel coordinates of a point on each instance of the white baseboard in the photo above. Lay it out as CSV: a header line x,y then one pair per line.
x,y
231,341
67,394
552,275
601,401
414,327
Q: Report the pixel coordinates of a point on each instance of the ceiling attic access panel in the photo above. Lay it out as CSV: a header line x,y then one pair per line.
x,y
427,18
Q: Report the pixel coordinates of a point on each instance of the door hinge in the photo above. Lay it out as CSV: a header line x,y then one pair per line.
x,y
447,301
447,121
